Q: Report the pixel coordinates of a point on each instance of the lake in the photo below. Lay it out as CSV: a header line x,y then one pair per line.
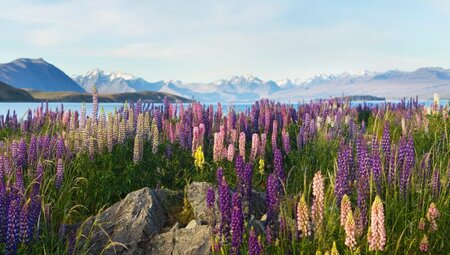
x,y
22,108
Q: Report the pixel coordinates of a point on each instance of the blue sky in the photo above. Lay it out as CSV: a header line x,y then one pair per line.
x,y
207,40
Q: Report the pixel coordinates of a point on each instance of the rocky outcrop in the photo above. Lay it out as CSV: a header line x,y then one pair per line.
x,y
139,224
127,226
194,239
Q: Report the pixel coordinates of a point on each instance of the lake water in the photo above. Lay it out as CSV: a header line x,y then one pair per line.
x,y
22,108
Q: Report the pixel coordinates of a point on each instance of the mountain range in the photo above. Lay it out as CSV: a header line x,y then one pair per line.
x,y
39,75
395,84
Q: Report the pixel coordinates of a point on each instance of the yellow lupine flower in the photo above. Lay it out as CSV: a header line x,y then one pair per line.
x,y
199,157
261,166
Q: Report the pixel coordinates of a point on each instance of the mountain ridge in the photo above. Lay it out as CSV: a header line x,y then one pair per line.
x,y
25,73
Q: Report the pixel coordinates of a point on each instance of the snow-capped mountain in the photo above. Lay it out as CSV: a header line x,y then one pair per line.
x,y
391,84
36,74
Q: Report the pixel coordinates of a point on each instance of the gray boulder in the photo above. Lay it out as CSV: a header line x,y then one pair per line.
x,y
127,226
187,241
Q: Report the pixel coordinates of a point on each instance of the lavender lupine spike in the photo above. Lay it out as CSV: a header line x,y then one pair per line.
x,y
3,206
210,206
59,174
386,147
18,184
436,183
254,246
237,223
32,150
376,165
341,186
60,148
363,178
278,164
22,154
286,141
273,198
94,103
12,235
225,210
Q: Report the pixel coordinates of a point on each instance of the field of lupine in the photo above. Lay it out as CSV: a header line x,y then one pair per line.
x,y
338,179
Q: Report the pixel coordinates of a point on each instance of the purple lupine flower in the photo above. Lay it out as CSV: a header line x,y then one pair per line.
x,y
376,165
278,164
254,246
22,154
18,184
386,147
436,183
273,198
225,209
32,150
210,198
60,148
286,141
59,174
71,242
94,103
341,186
363,178
3,206
23,223
407,166
237,223
12,234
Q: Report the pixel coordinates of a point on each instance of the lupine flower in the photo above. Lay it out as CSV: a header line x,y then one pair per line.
x,y
237,223
262,147
225,209
218,146
432,215
3,206
254,246
273,199
94,102
155,136
137,152
341,186
261,166
318,202
377,233
274,134
334,250
12,235
350,238
278,164
346,207
303,217
286,142
210,206
423,245
242,144
386,146
199,157
230,152
255,147
436,183
376,165
421,224
32,150
59,174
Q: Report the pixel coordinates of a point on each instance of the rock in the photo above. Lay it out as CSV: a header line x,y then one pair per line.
x,y
192,224
130,223
184,241
196,194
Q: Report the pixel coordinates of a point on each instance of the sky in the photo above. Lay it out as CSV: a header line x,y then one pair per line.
x,y
205,40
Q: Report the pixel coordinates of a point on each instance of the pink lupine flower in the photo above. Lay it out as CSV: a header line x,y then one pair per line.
x,y
303,217
233,136
318,202
255,147
262,147
350,231
421,224
195,139
423,246
286,141
432,215
377,233
242,145
230,152
274,134
346,207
